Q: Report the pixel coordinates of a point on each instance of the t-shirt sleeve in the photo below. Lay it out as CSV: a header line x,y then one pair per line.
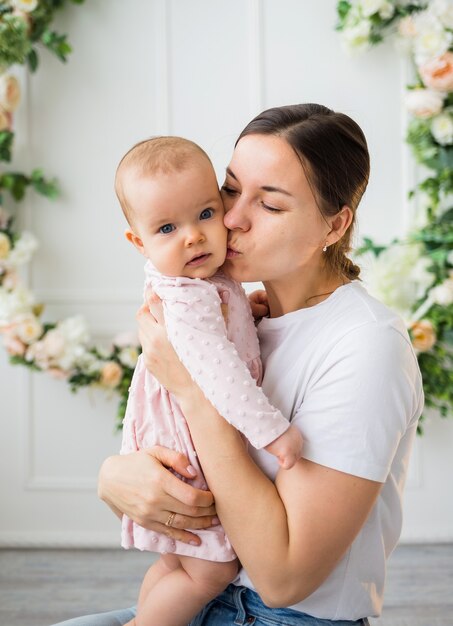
x,y
360,402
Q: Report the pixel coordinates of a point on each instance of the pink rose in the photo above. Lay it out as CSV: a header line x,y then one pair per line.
x,y
57,373
126,339
13,346
437,74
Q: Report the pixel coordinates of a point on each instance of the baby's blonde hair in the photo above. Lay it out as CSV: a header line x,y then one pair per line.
x,y
156,155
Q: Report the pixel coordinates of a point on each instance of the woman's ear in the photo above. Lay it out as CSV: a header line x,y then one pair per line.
x,y
340,224
134,240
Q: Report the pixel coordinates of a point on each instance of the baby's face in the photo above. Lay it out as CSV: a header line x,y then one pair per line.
x,y
178,220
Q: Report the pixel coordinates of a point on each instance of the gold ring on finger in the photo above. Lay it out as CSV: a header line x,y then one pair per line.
x,y
170,519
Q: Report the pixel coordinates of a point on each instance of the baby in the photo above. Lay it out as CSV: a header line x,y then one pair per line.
x,y
168,191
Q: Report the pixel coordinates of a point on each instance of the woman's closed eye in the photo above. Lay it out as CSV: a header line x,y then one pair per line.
x,y
228,190
167,228
270,208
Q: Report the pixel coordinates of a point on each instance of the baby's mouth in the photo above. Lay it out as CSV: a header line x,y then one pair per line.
x,y
199,259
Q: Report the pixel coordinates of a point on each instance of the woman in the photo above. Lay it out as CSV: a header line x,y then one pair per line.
x,y
337,363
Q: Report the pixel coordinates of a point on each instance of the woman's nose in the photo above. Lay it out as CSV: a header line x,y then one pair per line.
x,y
236,216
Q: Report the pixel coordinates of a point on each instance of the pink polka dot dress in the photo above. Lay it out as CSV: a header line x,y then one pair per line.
x,y
223,359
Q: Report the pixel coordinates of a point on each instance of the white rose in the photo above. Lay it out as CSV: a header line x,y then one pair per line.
x,y
4,120
442,294
75,330
407,28
24,5
29,329
89,364
443,9
424,103
14,303
23,249
399,277
9,92
128,357
5,246
370,7
442,129
356,37
386,11
432,39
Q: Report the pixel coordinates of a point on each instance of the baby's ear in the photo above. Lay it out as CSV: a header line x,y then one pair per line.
x,y
134,240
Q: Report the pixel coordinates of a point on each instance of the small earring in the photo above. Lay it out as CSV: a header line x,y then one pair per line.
x,y
325,247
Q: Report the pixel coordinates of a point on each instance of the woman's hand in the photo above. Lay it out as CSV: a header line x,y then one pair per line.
x,y
259,304
160,357
140,486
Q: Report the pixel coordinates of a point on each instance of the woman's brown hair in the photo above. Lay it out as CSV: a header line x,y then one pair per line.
x,y
334,155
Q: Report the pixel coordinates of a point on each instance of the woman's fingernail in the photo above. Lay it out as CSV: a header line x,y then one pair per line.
x,y
193,543
215,521
192,471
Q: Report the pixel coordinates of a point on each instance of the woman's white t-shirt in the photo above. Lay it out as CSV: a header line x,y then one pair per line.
x,y
345,373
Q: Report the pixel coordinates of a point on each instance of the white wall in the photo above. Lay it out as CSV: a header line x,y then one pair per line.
x,y
200,69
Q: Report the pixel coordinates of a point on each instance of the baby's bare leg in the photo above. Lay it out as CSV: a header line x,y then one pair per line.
x,y
287,448
186,587
156,572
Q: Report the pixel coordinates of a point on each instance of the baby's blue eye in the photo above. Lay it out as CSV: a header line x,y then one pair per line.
x,y
167,228
206,214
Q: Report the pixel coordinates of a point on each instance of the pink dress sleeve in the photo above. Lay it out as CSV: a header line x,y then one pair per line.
x,y
196,328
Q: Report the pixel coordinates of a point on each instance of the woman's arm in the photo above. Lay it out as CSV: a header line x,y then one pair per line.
x,y
289,535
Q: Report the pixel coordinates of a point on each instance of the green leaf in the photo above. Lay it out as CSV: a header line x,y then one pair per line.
x,y
6,144
57,44
343,8
33,60
15,183
48,188
14,42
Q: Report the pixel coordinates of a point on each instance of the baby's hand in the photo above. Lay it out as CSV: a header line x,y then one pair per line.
x,y
287,448
259,304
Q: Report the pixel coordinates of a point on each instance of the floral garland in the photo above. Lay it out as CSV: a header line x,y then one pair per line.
x,y
62,348
415,276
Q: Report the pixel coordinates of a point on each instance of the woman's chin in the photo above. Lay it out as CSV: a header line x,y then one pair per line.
x,y
240,274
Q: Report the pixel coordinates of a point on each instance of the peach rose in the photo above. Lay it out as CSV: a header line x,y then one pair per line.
x,y
111,374
423,335
9,92
5,120
5,246
437,74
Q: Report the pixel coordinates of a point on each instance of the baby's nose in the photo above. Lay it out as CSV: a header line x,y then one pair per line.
x,y
194,235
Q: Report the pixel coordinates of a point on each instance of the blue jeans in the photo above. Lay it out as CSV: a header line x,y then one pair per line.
x,y
235,606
